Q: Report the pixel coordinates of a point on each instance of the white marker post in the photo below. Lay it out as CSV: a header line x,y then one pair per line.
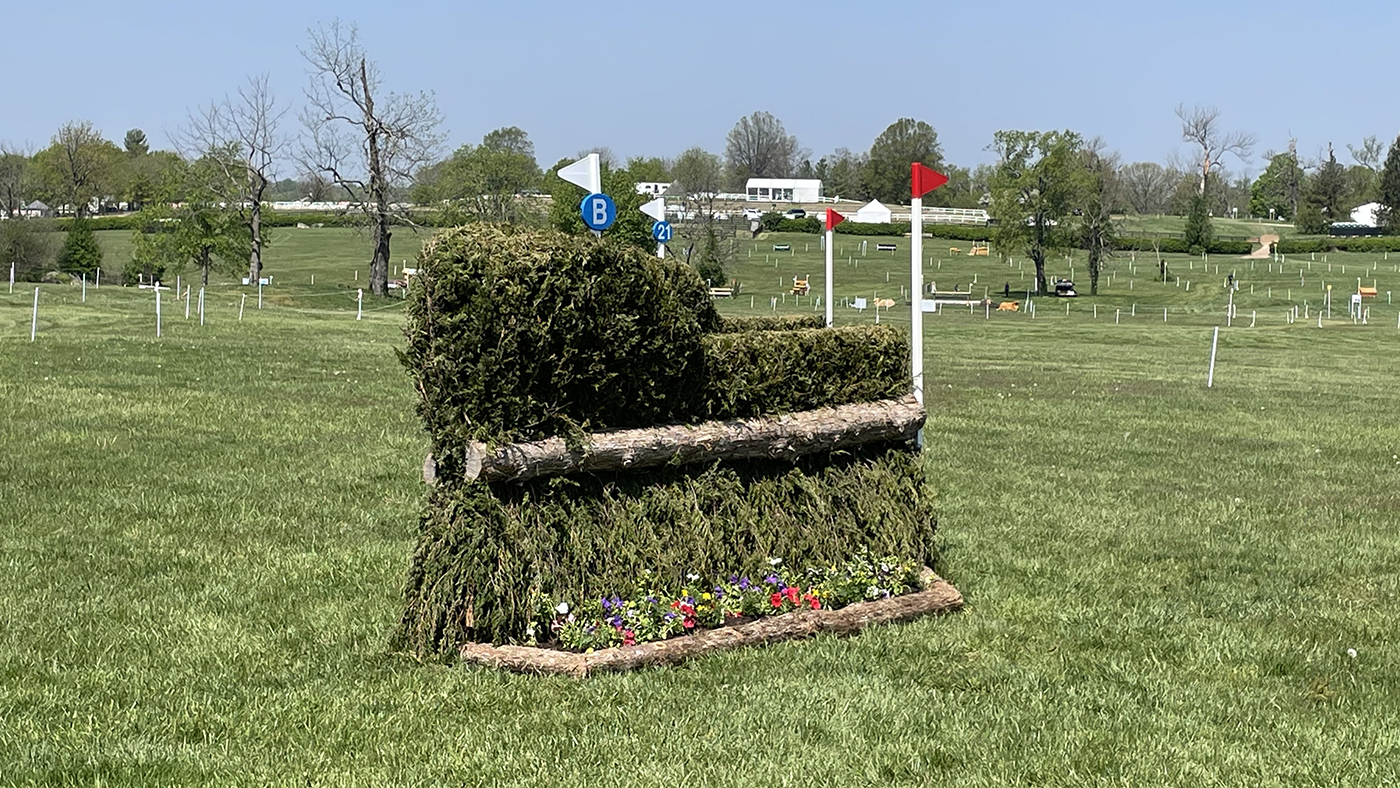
x,y
157,310
259,293
187,302
12,277
34,321
656,209
359,304
923,181
84,287
1210,376
97,279
201,306
832,219
241,302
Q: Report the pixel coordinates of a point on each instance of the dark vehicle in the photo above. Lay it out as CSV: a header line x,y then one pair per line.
x,y
795,213
1065,289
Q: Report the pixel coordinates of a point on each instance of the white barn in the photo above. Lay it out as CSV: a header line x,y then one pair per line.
x,y
783,190
873,212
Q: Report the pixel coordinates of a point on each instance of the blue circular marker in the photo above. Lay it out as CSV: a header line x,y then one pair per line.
x,y
662,232
598,211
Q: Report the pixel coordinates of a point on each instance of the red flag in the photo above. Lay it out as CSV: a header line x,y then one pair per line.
x,y
925,179
833,218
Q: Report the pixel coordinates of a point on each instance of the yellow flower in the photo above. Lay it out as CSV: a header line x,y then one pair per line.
x,y
706,597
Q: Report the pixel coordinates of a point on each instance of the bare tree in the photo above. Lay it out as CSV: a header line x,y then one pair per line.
x,y
1201,126
759,147
1370,155
314,187
367,143
239,136
606,158
1147,186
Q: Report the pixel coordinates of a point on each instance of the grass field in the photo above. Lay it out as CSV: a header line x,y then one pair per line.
x,y
1222,227
205,538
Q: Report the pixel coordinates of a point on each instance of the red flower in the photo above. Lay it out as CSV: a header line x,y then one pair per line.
x,y
776,599
791,593
689,623
816,604
629,638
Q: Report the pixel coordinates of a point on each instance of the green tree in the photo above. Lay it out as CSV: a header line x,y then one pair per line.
x,y
1102,190
651,169
1038,183
1272,192
485,182
81,254
698,177
79,167
843,175
1388,217
887,166
631,226
190,224
135,143
1327,189
1198,228
29,244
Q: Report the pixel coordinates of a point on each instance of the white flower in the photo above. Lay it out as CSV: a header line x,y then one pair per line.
x,y
562,608
774,561
1351,652
692,577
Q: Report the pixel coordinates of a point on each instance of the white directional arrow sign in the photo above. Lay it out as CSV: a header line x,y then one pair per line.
x,y
656,209
584,173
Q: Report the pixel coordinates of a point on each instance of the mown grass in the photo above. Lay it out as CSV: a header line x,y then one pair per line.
x,y
205,538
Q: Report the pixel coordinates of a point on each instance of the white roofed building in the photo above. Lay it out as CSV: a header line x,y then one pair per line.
x,y
783,190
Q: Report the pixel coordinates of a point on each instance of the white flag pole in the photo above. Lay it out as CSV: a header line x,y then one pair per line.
x,y
829,235
916,290
34,322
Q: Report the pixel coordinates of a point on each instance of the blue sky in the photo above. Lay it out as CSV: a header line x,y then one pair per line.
x,y
653,78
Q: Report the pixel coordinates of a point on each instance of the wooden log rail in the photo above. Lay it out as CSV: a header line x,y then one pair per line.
x,y
788,436
940,597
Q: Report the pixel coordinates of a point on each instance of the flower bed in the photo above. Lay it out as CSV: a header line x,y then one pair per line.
x,y
937,596
658,615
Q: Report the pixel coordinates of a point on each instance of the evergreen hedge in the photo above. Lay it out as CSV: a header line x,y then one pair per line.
x,y
519,335
489,554
734,325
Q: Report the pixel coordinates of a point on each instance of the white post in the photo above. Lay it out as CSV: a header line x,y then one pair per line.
x,y
916,285
201,306
260,293
187,302
829,237
157,310
97,280
12,277
34,321
360,304
241,302
1210,376
84,287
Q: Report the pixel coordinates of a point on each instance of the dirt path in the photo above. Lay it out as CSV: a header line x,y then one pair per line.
x,y
1266,245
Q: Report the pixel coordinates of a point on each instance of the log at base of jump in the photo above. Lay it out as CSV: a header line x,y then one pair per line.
x,y
788,436
939,597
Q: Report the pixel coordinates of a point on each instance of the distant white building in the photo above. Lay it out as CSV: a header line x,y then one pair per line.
x,y
783,190
652,188
36,210
873,212
1366,214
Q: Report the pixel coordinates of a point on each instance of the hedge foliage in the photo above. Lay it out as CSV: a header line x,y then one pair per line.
x,y
735,325
615,339
487,554
1364,245
521,334
1178,245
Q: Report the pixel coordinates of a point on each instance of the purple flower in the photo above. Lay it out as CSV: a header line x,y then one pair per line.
x,y
772,580
606,604
743,584
670,616
733,578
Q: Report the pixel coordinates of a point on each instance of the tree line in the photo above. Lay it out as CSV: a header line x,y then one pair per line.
x,y
201,204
